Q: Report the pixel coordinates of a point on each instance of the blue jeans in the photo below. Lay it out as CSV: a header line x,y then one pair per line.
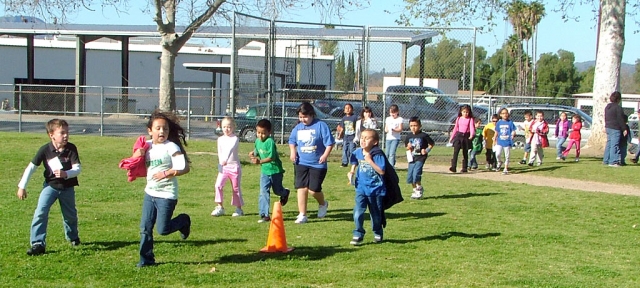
x,y
157,210
67,199
559,148
414,173
473,161
264,199
612,149
347,148
375,212
391,147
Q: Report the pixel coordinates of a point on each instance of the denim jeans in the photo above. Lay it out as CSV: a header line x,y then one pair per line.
x,y
347,148
391,147
157,211
67,199
612,149
559,148
266,183
473,161
375,212
414,173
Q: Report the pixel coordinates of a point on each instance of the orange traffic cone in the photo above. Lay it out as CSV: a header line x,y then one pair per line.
x,y
277,240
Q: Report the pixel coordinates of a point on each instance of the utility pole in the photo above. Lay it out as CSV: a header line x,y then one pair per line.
x,y
357,80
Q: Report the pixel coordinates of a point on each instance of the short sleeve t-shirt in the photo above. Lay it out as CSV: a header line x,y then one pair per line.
x,y
418,142
349,125
311,142
368,181
267,149
488,132
67,158
505,129
392,123
158,159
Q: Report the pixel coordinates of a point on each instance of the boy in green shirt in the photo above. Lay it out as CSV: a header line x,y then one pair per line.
x,y
271,171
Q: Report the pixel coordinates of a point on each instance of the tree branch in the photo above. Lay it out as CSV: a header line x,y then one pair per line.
x,y
195,24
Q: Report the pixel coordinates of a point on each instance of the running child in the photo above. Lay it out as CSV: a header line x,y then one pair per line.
x,y
574,137
347,130
166,160
461,136
393,128
488,134
61,170
367,121
265,154
419,144
562,131
228,168
539,130
526,126
476,145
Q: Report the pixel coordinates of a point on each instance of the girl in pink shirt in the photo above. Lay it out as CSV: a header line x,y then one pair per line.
x,y
461,136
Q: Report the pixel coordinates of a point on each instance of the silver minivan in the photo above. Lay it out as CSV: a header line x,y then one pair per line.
x,y
551,115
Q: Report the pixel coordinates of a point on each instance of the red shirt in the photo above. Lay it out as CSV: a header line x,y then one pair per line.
x,y
575,133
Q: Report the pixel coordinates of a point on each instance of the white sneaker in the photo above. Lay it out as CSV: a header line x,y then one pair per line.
x,y
577,159
322,210
238,212
301,219
558,158
219,211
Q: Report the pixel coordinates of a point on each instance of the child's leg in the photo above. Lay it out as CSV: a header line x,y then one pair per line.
x,y
264,199
559,147
345,151
534,154
570,144
166,225
235,177
375,213
487,156
457,146
507,156
417,178
540,153
392,146
147,222
301,176
578,149
41,215
359,208
465,154
220,182
497,154
410,178
67,200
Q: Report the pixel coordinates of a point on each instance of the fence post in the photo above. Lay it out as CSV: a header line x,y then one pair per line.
x,y
101,110
20,108
188,136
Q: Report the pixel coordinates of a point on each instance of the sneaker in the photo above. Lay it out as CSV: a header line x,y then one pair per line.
x,y
377,239
563,158
487,166
356,241
186,230
505,172
530,164
463,171
264,219
284,199
322,210
452,170
614,165
301,219
558,158
142,264
523,161
238,212
219,211
416,195
577,159
36,249
539,164
343,165
75,242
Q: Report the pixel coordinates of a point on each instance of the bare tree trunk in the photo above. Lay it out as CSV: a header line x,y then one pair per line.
x,y
167,93
608,59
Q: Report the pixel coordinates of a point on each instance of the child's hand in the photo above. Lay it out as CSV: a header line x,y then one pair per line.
x,y
409,146
60,174
22,194
255,160
224,163
322,159
423,151
251,154
367,157
350,177
292,157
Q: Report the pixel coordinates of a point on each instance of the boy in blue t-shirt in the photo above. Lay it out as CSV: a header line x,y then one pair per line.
x,y
347,131
503,139
266,155
369,183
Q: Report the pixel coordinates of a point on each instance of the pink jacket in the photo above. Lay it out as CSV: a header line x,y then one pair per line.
x,y
136,165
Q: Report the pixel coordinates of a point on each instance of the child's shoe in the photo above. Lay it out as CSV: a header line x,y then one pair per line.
x,y
558,158
539,164
36,249
523,161
377,239
264,219
301,219
530,164
356,241
322,209
219,211
578,159
238,212
505,172
284,199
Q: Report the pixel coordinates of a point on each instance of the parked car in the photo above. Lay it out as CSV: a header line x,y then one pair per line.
x,y
246,123
551,115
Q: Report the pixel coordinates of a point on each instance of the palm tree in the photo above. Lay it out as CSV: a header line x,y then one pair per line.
x,y
535,13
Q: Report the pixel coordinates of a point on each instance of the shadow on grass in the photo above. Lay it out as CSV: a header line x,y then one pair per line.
x,y
300,253
115,245
529,169
348,217
445,236
460,196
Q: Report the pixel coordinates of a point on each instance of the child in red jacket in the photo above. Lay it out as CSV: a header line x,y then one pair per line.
x,y
574,137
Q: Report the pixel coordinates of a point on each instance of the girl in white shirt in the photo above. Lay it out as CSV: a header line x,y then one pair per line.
x,y
366,121
393,128
228,168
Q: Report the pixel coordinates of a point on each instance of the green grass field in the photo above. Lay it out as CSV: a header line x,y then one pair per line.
x,y
465,233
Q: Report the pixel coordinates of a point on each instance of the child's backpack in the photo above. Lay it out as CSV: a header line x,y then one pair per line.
x,y
391,182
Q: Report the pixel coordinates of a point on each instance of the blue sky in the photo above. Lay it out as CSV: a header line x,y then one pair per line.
x,y
578,37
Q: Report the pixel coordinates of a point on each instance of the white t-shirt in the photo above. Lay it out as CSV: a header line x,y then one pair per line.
x,y
368,124
228,150
393,123
158,159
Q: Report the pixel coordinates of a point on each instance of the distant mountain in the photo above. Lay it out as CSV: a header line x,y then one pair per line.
x,y
626,68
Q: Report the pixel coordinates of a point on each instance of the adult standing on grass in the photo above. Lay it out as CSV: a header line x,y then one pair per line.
x,y
62,166
166,160
310,144
615,129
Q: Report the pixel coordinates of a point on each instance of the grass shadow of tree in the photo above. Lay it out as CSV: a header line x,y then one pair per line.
x,y
115,245
461,196
348,217
299,253
534,169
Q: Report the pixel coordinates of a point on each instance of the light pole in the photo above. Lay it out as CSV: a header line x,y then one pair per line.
x,y
464,68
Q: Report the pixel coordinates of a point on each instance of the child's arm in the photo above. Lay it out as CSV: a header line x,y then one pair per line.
x,y
325,155
292,152
22,191
369,159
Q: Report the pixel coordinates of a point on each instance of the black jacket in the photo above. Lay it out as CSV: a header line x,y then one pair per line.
x,y
614,117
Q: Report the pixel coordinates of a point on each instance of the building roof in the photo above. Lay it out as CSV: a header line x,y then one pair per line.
x,y
350,33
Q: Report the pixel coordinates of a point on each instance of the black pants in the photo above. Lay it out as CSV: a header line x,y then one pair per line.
x,y
490,157
461,142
